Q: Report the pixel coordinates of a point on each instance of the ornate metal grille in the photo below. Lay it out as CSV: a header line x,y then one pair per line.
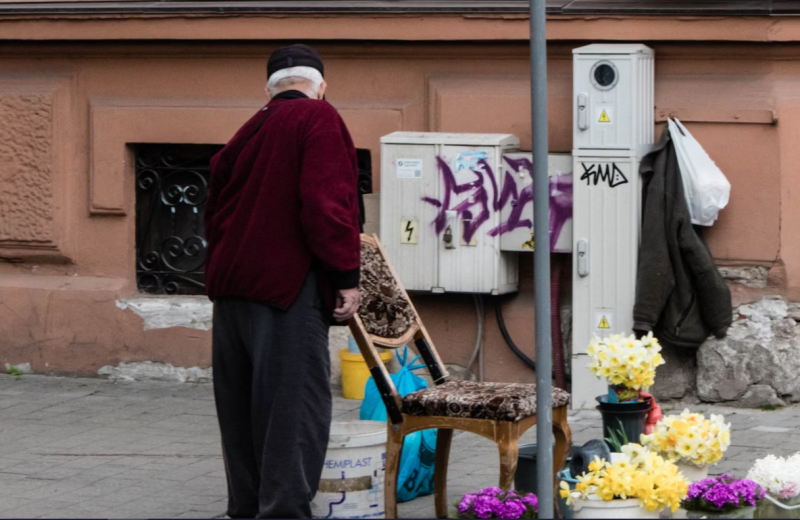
x,y
171,191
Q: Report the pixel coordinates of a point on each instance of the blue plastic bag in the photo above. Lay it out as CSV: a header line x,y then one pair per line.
x,y
415,477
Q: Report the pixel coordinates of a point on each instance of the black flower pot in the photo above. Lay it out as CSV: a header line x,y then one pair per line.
x,y
630,417
525,477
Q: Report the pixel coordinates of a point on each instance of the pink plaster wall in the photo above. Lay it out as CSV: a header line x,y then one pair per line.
x,y
151,89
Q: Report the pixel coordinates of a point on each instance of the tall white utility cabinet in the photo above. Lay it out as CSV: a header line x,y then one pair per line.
x,y
613,126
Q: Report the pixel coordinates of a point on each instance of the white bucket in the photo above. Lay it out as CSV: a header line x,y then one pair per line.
x,y
597,508
692,472
352,479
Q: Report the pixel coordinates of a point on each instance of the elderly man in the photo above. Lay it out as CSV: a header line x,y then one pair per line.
x,y
283,260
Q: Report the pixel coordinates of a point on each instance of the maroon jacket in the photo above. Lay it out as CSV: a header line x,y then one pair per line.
x,y
283,198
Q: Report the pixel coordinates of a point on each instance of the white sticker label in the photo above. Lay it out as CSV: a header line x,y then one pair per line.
x,y
409,168
604,322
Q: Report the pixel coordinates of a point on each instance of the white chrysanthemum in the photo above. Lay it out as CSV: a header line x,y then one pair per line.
x,y
779,476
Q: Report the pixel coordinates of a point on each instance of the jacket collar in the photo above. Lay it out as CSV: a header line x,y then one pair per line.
x,y
290,94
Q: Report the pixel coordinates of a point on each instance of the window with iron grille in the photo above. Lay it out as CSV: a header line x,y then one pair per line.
x,y
171,193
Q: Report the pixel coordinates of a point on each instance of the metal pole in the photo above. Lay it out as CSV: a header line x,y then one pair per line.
x,y
541,259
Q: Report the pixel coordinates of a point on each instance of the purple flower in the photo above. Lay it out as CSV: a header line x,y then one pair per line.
x,y
722,494
510,509
491,491
466,503
531,500
485,506
493,502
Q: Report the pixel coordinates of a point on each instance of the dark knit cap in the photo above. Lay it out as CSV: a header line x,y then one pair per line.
x,y
297,55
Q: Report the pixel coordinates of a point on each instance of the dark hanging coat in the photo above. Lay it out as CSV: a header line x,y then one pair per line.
x,y
680,294
283,198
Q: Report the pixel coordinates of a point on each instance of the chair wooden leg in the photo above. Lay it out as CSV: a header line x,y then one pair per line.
x,y
509,452
563,437
394,450
443,438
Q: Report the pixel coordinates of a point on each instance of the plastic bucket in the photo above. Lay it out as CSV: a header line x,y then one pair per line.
x,y
352,478
564,475
616,509
525,479
767,508
355,373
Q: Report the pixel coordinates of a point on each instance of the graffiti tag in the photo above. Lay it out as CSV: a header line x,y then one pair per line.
x,y
474,201
609,173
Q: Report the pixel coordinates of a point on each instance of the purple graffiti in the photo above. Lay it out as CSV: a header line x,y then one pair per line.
x,y
478,197
560,200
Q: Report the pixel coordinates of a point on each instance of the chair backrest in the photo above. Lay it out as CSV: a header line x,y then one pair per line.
x,y
387,318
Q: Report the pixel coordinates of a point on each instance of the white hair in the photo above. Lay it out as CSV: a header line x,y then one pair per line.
x,y
286,77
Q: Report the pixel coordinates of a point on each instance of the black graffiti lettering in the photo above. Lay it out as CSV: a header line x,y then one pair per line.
x,y
608,173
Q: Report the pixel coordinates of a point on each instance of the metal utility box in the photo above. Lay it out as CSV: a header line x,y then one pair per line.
x,y
516,202
613,127
439,221
613,89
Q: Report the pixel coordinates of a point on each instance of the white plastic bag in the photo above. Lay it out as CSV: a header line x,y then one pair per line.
x,y
706,188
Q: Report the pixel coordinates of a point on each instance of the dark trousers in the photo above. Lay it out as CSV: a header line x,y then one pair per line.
x,y
272,391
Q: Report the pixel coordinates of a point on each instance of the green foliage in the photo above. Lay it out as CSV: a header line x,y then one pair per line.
x,y
617,438
14,371
771,407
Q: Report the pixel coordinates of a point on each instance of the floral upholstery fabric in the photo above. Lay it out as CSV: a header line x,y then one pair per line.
x,y
470,399
384,309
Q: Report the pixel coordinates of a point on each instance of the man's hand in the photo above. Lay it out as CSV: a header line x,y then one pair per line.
x,y
347,301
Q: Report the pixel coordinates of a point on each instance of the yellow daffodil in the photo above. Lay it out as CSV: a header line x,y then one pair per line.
x,y
625,361
643,475
690,437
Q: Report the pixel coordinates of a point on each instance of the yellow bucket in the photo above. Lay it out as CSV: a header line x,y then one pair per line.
x,y
355,373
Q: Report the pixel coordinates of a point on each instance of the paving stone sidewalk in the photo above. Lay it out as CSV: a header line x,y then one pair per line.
x,y
92,448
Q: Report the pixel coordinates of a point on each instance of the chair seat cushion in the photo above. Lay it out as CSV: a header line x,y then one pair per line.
x,y
475,400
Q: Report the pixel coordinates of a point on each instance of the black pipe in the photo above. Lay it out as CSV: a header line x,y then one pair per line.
x,y
506,336
498,308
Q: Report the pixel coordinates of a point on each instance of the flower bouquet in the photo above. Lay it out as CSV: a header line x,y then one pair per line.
x,y
780,477
691,441
723,497
627,363
641,481
493,502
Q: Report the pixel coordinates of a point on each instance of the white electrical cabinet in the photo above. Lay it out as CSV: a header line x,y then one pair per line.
x,y
613,128
440,219
614,98
516,202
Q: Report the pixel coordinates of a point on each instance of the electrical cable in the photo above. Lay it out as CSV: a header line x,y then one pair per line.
x,y
479,339
482,351
506,336
510,342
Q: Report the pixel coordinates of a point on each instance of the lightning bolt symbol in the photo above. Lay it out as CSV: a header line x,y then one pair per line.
x,y
410,230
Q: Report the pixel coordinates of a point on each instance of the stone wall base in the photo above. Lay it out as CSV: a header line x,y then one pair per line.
x,y
756,364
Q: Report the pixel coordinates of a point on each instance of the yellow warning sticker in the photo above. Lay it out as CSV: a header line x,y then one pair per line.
x,y
409,231
530,244
604,321
604,118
